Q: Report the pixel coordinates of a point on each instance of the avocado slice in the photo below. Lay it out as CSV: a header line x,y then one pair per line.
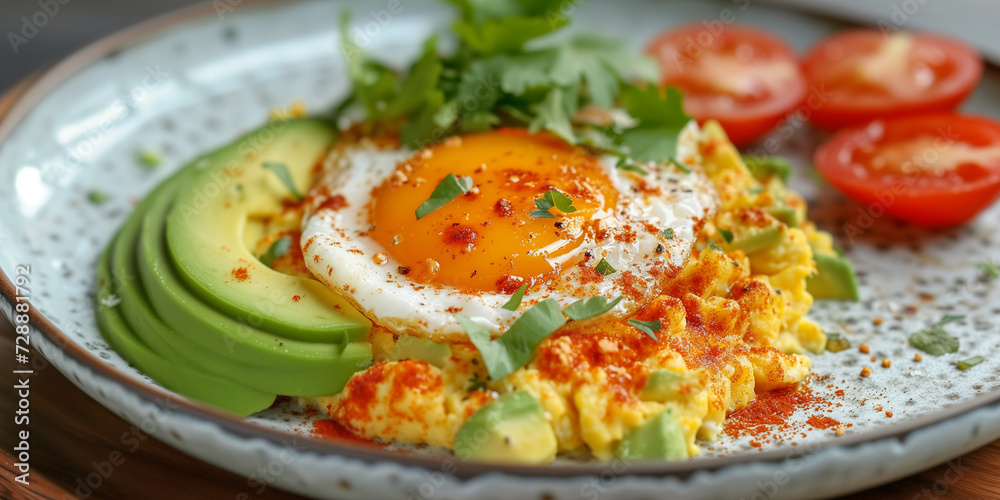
x,y
205,235
164,340
659,438
763,168
178,377
329,364
834,278
410,347
511,429
751,239
785,214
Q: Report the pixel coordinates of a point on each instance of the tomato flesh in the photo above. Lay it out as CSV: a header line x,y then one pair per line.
x,y
744,78
938,170
867,75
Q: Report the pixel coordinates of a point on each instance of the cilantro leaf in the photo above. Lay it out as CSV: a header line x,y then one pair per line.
x,y
667,233
965,364
934,340
421,80
516,346
660,116
726,235
279,248
374,84
716,247
515,300
281,170
553,114
604,268
503,35
448,189
590,307
552,198
600,63
648,327
149,158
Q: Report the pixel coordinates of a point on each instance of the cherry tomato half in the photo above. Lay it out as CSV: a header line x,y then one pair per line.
x,y
866,75
745,78
935,170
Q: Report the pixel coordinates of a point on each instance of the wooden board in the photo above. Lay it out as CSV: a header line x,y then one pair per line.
x,y
75,441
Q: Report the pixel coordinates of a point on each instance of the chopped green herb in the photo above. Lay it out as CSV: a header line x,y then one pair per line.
x,y
648,327
149,158
97,197
714,246
515,347
631,167
284,176
680,166
934,340
965,364
500,66
448,189
552,198
604,268
756,190
667,233
726,235
515,300
990,269
590,307
836,343
475,384
279,248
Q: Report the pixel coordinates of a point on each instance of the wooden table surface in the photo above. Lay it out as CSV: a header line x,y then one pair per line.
x,y
73,437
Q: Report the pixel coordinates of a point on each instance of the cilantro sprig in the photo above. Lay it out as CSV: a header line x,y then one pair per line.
x,y
505,71
550,199
515,300
604,268
648,327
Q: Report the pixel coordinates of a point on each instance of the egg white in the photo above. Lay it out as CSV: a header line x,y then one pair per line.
x,y
339,253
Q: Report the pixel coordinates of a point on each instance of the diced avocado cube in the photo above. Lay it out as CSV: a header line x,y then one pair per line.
x,y
659,438
753,238
765,167
667,385
834,279
511,429
410,347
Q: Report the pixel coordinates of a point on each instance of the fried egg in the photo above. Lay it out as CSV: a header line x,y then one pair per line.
x,y
361,236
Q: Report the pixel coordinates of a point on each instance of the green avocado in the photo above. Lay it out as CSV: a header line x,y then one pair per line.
x,y
753,238
206,235
178,377
295,379
667,385
763,168
410,347
785,214
834,279
659,438
510,429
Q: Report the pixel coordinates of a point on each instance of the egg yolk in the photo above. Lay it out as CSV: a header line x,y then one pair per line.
x,y
485,239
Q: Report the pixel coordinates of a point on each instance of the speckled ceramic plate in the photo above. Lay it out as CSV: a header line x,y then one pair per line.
x,y
193,81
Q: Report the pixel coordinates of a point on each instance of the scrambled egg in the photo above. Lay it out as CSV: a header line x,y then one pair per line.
x,y
733,325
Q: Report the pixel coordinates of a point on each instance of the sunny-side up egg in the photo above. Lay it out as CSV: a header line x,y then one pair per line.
x,y
362,238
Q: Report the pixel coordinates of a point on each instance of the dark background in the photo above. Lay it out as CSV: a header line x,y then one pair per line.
x,y
73,26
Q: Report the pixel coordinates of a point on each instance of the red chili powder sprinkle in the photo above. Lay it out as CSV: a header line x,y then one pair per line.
x,y
296,298
241,274
768,409
822,422
331,429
